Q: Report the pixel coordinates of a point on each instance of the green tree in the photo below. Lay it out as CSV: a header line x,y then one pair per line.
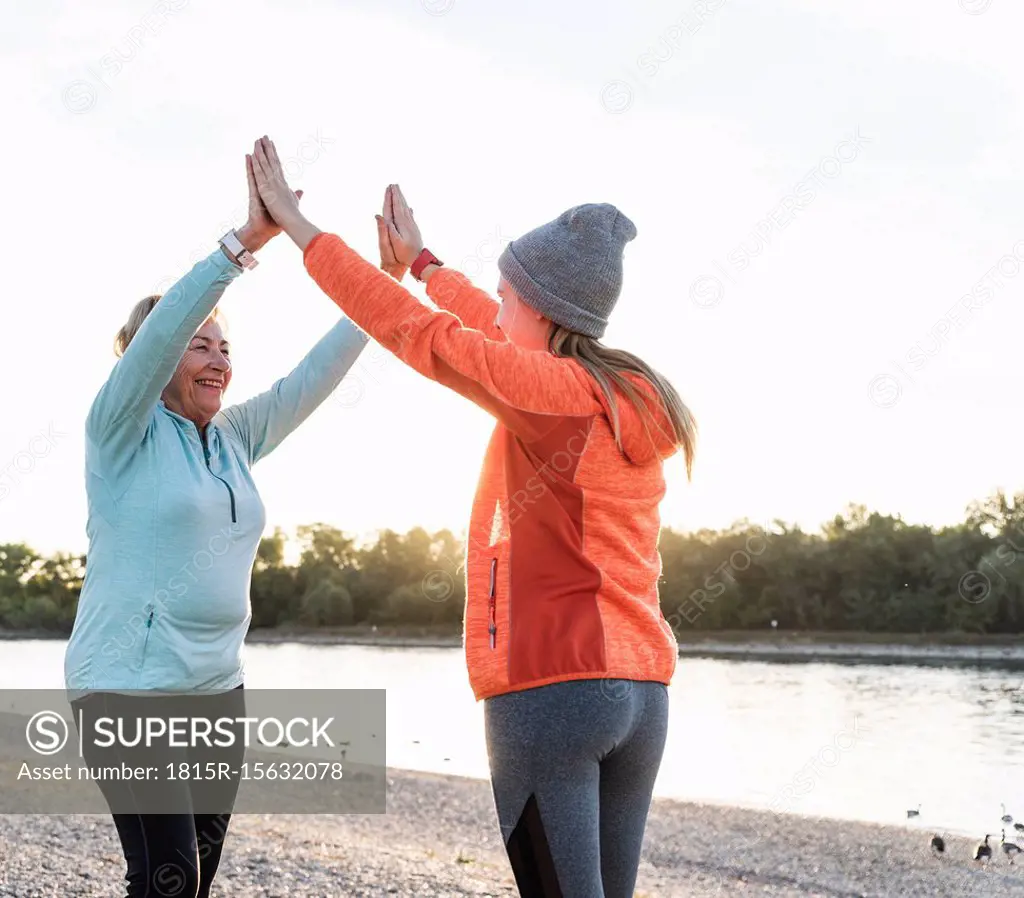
x,y
273,587
863,571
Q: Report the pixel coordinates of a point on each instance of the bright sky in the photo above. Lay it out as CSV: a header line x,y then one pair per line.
x,y
815,188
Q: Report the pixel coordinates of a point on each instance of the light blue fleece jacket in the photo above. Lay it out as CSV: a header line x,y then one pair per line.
x,y
174,524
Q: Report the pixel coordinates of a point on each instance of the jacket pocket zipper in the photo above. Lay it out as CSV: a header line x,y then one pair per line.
x,y
145,642
492,622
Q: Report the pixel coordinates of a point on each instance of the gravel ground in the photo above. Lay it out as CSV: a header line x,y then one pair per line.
x,y
439,839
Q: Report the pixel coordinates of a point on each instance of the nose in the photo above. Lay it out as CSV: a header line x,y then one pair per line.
x,y
220,362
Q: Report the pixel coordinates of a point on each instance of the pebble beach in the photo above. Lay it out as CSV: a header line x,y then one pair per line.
x,y
439,839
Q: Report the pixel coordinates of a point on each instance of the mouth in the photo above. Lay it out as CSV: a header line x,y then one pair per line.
x,y
208,383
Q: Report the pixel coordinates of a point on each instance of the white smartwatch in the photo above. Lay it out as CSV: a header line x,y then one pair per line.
x,y
233,245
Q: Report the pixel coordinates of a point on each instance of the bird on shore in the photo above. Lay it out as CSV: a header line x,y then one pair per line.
x,y
916,813
983,851
1006,818
938,845
1010,849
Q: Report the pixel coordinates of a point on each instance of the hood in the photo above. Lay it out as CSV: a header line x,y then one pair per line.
x,y
645,438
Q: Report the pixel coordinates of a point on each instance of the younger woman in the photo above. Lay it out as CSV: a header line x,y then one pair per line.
x,y
564,637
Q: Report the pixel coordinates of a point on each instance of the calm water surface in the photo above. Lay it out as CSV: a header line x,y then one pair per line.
x,y
860,742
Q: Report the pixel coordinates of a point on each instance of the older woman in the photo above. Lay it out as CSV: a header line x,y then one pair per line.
x,y
174,523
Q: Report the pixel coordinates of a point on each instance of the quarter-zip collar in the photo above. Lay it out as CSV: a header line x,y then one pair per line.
x,y
192,429
209,448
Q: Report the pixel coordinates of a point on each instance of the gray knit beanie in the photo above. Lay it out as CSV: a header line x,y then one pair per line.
x,y
570,269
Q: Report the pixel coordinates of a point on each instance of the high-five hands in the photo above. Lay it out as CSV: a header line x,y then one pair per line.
x,y
279,199
261,224
397,234
388,260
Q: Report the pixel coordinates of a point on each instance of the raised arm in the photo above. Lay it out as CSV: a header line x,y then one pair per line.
x,y
261,423
518,386
522,388
124,406
401,243
452,290
122,410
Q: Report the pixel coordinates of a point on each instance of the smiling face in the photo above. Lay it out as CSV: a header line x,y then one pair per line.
x,y
197,387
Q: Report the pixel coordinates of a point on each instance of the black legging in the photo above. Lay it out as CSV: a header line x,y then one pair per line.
x,y
173,853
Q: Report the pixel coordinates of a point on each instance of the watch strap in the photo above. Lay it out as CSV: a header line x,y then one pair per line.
x,y
425,258
234,246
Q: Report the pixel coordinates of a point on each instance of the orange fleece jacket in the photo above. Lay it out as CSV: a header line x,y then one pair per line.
x,y
562,555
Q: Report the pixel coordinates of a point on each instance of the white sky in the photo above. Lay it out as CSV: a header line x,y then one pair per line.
x,y
697,119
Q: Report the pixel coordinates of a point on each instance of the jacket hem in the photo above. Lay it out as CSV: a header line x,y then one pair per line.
x,y
615,674
81,691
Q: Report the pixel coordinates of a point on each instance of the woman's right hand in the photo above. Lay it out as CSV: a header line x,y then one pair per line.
x,y
403,234
388,261
260,224
278,198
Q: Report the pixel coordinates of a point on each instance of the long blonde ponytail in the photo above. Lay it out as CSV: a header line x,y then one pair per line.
x,y
608,367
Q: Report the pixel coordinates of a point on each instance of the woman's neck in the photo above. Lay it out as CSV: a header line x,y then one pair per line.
x,y
172,406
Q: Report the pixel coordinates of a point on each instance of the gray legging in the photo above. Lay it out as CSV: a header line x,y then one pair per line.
x,y
573,766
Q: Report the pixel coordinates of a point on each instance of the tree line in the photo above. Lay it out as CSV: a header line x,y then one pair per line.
x,y
862,571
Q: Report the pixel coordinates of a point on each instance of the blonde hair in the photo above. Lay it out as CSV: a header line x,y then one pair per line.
x,y
140,311
609,368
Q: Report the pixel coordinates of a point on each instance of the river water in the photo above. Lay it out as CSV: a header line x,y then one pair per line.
x,y
849,741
